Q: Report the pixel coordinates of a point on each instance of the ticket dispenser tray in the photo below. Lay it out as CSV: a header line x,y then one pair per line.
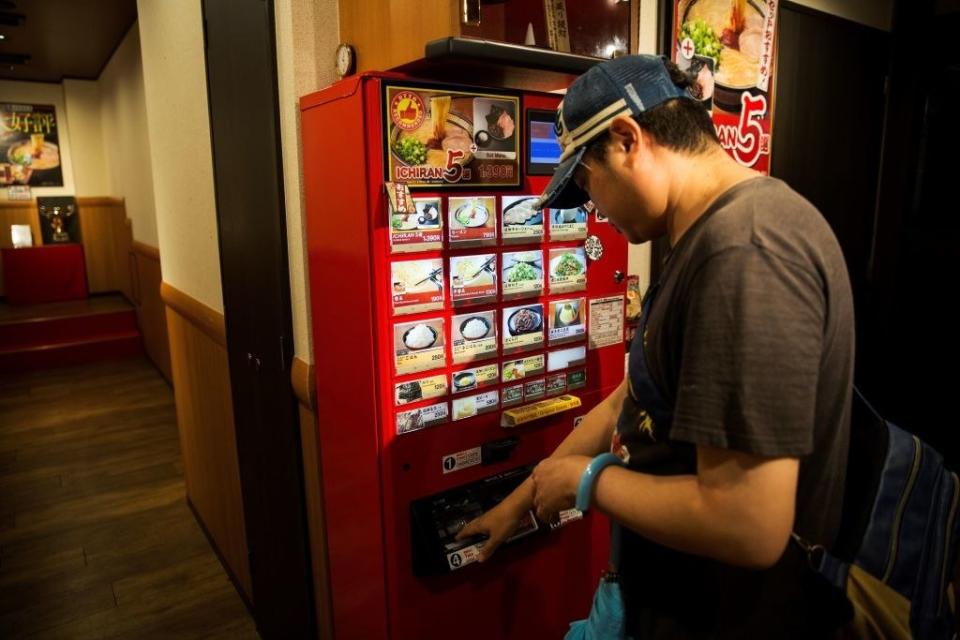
x,y
436,520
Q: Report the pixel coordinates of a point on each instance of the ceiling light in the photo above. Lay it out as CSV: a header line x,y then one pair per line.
x,y
2,37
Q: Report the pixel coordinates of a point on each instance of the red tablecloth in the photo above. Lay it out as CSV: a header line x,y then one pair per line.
x,y
50,273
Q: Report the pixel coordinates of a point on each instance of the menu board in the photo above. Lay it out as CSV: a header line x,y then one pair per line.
x,y
421,230
416,285
522,328
522,223
473,221
451,138
416,419
470,406
523,368
474,336
569,224
566,320
522,274
423,389
476,378
565,358
473,279
568,269
418,346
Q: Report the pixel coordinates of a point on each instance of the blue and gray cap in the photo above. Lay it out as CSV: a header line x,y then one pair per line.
x,y
623,86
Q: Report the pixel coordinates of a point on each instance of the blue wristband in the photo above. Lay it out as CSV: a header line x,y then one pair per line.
x,y
589,478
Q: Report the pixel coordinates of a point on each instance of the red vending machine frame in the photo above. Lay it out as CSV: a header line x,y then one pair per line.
x,y
370,474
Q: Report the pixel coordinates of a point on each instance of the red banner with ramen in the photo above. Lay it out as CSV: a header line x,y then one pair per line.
x,y
443,138
730,46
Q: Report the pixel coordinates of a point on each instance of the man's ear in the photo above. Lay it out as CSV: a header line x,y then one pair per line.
x,y
627,137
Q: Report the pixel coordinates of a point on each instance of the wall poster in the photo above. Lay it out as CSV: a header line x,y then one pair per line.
x,y
29,146
731,47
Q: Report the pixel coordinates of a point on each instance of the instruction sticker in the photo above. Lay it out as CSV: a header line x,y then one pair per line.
x,y
465,556
461,460
606,321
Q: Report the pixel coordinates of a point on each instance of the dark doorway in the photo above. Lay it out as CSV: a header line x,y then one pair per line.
x,y
913,340
828,130
244,126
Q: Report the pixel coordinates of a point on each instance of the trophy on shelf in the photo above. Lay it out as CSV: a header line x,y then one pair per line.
x,y
58,219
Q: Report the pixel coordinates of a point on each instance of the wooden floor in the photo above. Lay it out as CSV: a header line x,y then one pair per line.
x,y
96,538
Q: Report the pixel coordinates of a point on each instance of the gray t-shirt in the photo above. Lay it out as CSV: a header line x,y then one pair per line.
x,y
750,340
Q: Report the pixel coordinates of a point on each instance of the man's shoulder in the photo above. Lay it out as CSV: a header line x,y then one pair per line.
x,y
765,214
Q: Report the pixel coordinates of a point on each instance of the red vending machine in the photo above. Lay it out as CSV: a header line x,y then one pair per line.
x,y
458,334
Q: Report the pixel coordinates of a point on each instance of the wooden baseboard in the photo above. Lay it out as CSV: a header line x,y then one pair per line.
x,y
146,250
223,561
304,384
208,439
208,320
145,278
304,387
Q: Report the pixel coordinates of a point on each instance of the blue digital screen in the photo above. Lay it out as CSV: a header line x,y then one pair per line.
x,y
544,148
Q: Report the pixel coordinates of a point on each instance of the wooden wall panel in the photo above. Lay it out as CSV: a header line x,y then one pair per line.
x,y
388,33
151,316
106,241
305,388
201,383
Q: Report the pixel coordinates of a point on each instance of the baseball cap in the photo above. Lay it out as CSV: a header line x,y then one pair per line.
x,y
627,85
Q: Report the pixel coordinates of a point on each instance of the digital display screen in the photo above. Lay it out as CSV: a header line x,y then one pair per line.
x,y
543,150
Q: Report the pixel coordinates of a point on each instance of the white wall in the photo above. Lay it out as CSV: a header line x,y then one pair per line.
x,y
178,122
124,137
638,256
46,93
82,99
307,36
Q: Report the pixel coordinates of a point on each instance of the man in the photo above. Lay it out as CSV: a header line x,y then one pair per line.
x,y
734,418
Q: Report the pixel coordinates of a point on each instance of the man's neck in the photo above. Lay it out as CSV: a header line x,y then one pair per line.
x,y
699,181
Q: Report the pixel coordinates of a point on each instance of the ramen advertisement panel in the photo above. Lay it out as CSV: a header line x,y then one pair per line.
x,y
730,45
436,137
29,146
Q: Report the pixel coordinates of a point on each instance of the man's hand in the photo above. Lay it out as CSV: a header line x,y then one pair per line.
x,y
498,524
555,482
